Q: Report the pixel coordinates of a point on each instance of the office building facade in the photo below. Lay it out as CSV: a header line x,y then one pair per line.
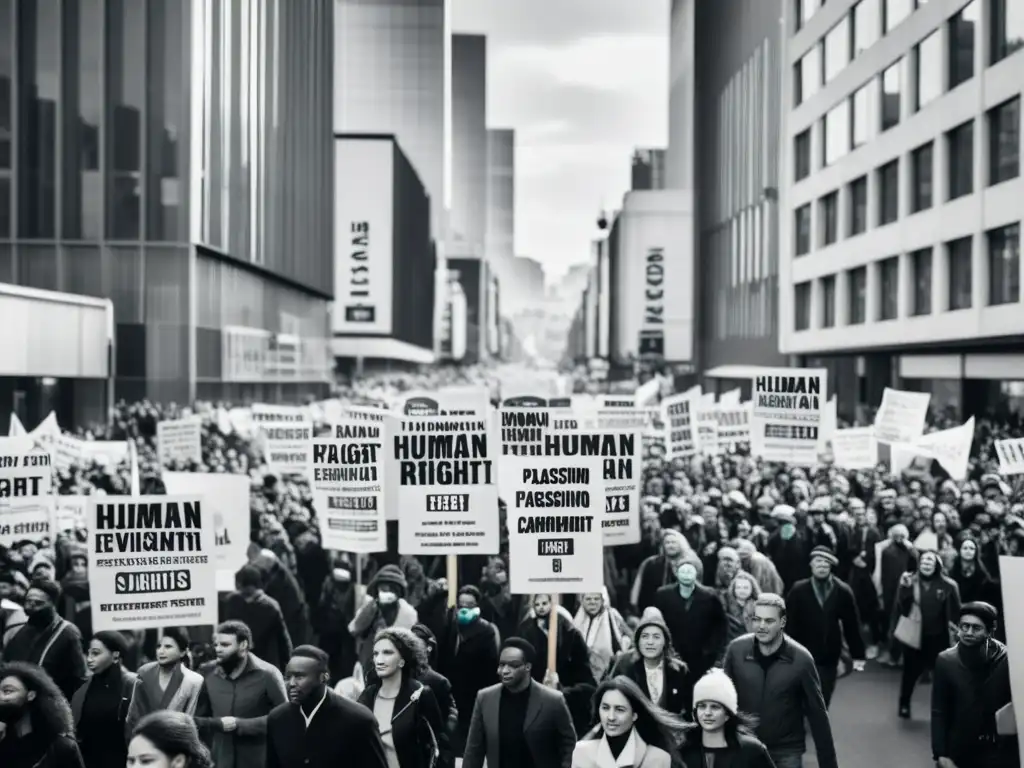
x,y
900,236
648,171
174,157
500,235
469,141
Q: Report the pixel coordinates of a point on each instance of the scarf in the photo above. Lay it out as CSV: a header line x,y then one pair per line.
x,y
602,639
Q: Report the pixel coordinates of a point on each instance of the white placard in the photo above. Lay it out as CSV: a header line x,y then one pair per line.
x,y
554,524
180,440
1011,456
855,448
787,413
286,434
680,417
390,420
1011,576
151,562
901,415
349,486
26,482
227,500
450,401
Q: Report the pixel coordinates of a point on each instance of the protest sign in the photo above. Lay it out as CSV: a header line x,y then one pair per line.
x,y
522,430
730,399
70,513
855,448
647,394
286,435
349,486
786,415
950,447
226,499
707,424
554,514
447,485
26,482
180,441
616,401
733,425
680,424
151,562
390,421
1011,576
900,417
1011,456
450,401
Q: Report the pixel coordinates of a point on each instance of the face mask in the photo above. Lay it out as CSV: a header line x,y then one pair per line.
x,y
467,615
11,713
387,598
500,577
687,575
788,529
340,574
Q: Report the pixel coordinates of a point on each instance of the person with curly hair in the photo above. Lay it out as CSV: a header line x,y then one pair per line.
x,y
407,714
36,727
165,738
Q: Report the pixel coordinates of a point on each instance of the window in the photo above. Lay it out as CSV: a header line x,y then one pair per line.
x,y
802,155
828,301
857,283
889,192
891,96
837,48
1004,141
858,205
888,288
867,24
896,11
808,75
860,122
804,11
958,253
802,306
837,132
960,148
1004,265
961,44
828,218
802,227
921,165
928,69
39,32
921,264
1007,28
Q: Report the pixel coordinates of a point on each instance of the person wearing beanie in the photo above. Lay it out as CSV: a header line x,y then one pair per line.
x,y
821,612
166,683
970,686
720,734
48,640
654,666
100,707
385,607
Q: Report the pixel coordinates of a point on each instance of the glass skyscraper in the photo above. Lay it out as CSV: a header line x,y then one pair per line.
x,y
176,157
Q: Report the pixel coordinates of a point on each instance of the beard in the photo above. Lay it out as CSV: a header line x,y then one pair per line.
x,y
230,663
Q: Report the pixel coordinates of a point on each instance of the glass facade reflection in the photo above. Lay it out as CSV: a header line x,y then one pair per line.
x,y
149,147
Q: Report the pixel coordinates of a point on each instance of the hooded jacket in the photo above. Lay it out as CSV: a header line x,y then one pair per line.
x,y
371,617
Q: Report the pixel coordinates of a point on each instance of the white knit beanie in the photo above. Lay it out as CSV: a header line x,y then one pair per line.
x,y
716,686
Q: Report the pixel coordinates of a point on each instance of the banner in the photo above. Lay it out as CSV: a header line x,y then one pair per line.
x,y
286,434
26,485
1011,456
855,448
348,486
733,425
226,497
180,441
900,417
950,447
680,424
554,536
787,414
151,562
447,486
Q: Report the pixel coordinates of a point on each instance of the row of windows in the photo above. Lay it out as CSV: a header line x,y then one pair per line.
x,y
869,20
1003,163
1003,245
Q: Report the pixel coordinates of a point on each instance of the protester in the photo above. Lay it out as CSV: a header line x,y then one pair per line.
x,y
385,606
442,690
36,727
694,616
100,707
260,612
738,600
166,684
475,663
654,666
167,739
721,735
604,631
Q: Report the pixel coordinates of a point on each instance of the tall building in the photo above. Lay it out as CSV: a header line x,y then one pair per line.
x,y
736,113
469,140
900,236
501,195
390,77
175,157
648,171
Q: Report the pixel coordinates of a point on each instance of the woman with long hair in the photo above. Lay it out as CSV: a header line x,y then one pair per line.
x,y
162,737
721,735
739,600
36,727
604,631
630,732
406,711
653,665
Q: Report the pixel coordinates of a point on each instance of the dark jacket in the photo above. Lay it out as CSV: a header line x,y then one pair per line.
x,y
698,631
103,754
817,627
407,728
782,697
474,666
745,751
677,697
964,706
262,615
249,697
653,574
57,649
442,690
341,733
547,730
42,752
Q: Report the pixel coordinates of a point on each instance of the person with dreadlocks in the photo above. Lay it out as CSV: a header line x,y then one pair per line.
x,y
36,727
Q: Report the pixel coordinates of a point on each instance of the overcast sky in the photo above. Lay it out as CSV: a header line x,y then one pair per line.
x,y
582,82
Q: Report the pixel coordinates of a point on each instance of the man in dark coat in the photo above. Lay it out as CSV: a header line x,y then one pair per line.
x,y
822,611
281,584
970,685
260,612
695,617
317,728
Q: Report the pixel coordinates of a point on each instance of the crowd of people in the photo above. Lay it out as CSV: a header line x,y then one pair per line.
x,y
718,639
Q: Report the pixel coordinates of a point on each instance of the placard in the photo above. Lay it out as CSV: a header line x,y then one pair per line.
x,y
733,425
855,448
680,424
450,401
180,440
151,562
286,434
522,430
554,533
901,415
1011,456
26,484
707,425
390,421
447,486
786,414
349,486
227,496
